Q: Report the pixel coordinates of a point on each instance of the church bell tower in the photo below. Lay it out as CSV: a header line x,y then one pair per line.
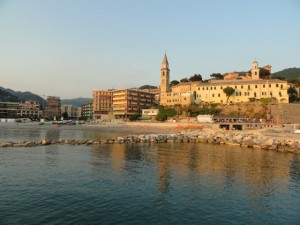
x,y
164,77
255,71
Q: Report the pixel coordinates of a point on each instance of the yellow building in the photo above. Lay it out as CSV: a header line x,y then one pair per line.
x,y
249,89
129,102
102,104
245,91
70,110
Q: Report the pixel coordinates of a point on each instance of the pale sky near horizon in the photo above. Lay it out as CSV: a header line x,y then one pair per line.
x,y
68,48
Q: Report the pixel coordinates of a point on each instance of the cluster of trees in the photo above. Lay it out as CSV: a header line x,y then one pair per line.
x,y
192,110
195,110
164,113
293,94
195,77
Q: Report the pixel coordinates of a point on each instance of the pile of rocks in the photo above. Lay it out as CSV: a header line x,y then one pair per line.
x,y
248,140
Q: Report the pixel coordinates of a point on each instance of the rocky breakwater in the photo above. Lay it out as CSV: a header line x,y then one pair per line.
x,y
247,140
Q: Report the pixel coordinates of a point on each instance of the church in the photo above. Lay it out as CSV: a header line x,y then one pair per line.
x,y
251,88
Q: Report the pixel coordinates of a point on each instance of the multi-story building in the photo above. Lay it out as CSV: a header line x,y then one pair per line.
x,y
53,107
10,109
79,112
102,104
246,89
87,111
69,110
31,109
129,102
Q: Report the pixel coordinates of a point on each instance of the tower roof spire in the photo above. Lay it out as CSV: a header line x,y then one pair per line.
x,y
165,60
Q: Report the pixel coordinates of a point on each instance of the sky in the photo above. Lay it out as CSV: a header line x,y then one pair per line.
x,y
68,48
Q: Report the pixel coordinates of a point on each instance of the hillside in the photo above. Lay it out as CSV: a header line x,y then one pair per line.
x,y
23,96
288,74
76,101
7,97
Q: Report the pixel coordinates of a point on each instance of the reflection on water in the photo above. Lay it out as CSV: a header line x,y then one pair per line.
x,y
170,183
33,132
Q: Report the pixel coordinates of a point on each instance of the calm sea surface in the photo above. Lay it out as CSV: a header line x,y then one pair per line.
x,y
142,183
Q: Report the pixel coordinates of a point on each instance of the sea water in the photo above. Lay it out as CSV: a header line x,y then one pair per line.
x,y
168,183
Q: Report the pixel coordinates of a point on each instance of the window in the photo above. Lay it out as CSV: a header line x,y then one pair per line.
x,y
263,86
248,87
221,87
219,95
215,88
277,85
242,87
213,95
255,86
270,85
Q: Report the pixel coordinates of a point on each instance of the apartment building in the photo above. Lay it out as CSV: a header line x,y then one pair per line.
x,y
10,109
53,109
102,104
69,110
87,111
29,109
129,102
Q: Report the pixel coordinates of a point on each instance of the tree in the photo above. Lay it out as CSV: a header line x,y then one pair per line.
x,y
228,91
217,76
264,73
65,115
184,80
164,113
295,81
174,82
293,94
196,77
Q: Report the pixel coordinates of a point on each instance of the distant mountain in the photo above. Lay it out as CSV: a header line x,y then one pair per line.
x,y
7,97
76,101
23,96
147,87
288,74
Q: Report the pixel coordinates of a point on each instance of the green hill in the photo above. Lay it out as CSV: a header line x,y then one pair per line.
x,y
7,97
23,96
288,74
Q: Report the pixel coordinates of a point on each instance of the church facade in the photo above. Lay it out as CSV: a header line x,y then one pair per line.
x,y
250,89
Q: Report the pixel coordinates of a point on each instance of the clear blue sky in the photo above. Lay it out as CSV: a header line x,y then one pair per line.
x,y
69,48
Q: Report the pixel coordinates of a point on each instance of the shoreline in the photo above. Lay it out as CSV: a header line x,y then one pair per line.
x,y
276,139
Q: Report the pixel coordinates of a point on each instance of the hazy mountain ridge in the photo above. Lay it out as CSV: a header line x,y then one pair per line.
x,y
23,96
76,101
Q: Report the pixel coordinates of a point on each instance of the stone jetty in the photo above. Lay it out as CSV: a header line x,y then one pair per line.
x,y
247,140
